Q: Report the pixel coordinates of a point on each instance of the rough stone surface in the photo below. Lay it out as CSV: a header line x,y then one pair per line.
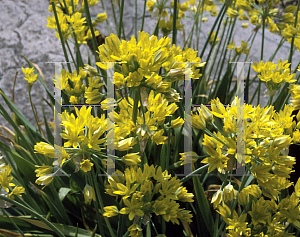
x,y
23,31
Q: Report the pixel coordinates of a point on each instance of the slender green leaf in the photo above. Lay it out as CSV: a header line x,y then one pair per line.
x,y
203,205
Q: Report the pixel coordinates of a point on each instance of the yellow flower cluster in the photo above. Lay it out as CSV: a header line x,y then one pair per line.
x,y
295,92
29,76
255,12
225,196
147,124
49,151
5,182
274,75
45,172
85,130
239,50
267,136
267,216
71,21
142,60
72,84
159,8
268,10
148,191
139,64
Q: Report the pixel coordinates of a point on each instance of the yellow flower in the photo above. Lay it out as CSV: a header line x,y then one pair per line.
x,y
119,79
135,230
158,138
232,13
192,155
184,6
198,121
133,207
43,170
110,211
45,149
295,91
259,212
5,178
29,76
243,197
16,191
126,144
86,165
217,198
192,2
101,17
131,159
216,160
91,3
296,136
45,174
229,192
231,45
89,194
76,22
212,38
150,5
183,195
45,180
64,25
176,123
225,212
134,78
289,32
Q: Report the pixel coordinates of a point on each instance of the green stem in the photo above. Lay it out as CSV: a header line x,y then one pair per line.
x,y
60,36
114,14
196,18
221,13
261,51
121,19
270,100
144,11
59,204
35,116
215,55
90,180
32,212
198,28
135,105
90,25
135,23
107,22
174,32
292,43
197,171
71,54
101,204
14,224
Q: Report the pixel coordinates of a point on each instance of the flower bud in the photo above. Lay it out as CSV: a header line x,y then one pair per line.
x,y
89,194
243,198
217,198
229,192
131,159
101,17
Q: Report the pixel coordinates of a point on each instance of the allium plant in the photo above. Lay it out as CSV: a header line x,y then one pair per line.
x,y
139,129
